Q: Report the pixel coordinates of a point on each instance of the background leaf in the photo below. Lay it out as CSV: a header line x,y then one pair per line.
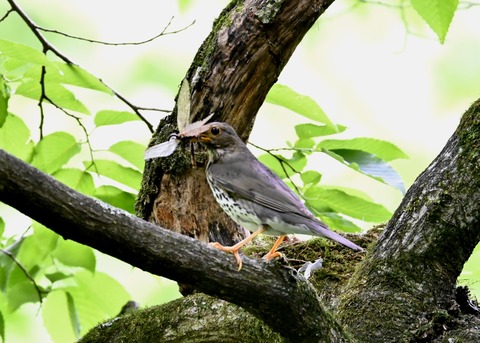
x,y
94,298
77,179
284,96
437,13
23,53
54,151
108,117
369,165
74,254
350,205
4,96
111,169
385,150
116,197
311,130
130,151
76,76
15,138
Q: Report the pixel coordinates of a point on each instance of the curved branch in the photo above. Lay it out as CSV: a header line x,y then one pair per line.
x,y
46,46
145,41
272,294
413,270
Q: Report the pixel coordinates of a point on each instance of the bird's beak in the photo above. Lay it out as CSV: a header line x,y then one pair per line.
x,y
204,138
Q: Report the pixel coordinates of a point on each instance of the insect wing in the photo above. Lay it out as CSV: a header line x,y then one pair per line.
x,y
163,149
194,129
183,106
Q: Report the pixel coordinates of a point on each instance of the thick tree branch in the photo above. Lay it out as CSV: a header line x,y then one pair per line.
x,y
413,270
274,294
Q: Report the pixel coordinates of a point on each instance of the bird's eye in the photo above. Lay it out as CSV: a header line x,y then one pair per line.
x,y
215,131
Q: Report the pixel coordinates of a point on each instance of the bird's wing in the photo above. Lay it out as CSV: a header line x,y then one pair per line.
x,y
258,184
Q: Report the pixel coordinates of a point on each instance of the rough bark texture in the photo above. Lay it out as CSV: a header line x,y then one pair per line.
x,y
412,272
404,290
235,67
261,288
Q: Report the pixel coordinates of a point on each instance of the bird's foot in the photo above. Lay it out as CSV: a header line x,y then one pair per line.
x,y
234,250
271,255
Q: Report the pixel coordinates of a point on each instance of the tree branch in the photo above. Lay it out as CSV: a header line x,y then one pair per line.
x,y
274,295
413,270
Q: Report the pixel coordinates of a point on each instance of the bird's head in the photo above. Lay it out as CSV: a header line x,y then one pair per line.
x,y
219,139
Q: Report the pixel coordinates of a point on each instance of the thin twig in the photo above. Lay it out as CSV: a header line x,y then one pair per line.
x,y
79,122
43,96
163,33
6,15
27,274
46,46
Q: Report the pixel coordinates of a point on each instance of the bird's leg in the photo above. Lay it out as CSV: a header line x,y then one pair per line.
x,y
273,252
236,248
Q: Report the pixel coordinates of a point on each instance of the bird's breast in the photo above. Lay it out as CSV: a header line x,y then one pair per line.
x,y
234,207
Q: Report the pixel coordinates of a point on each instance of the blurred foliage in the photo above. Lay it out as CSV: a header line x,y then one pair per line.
x,y
38,266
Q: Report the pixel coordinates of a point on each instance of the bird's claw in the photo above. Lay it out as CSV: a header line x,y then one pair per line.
x,y
232,250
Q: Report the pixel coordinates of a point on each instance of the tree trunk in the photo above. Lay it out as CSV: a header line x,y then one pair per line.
x,y
403,290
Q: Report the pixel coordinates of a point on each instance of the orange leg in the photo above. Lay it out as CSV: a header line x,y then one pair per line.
x,y
273,252
236,248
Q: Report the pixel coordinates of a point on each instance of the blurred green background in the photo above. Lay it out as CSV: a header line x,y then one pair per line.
x,y
375,68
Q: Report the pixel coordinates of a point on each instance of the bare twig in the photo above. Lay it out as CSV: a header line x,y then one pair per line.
x,y
27,274
163,33
46,47
6,15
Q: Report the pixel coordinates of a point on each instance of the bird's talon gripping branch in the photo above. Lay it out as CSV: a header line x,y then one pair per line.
x,y
234,250
273,253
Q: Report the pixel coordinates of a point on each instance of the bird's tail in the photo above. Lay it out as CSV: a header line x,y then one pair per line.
x,y
322,230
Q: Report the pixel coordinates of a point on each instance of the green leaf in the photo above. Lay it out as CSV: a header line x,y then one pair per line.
x,y
64,98
304,143
74,254
76,76
2,327
54,151
371,166
111,169
312,130
73,314
60,96
116,197
96,297
340,223
15,138
4,96
59,327
21,293
342,202
130,151
284,96
310,177
23,53
37,247
77,179
437,13
382,149
108,117
2,226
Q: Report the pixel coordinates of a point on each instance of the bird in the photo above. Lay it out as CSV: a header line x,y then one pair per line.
x,y
253,196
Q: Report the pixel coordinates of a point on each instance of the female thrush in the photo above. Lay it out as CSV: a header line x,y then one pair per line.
x,y
253,196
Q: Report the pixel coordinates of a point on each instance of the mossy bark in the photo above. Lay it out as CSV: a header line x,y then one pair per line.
x,y
411,274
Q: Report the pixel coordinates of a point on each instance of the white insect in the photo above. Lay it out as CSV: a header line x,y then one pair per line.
x,y
186,130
